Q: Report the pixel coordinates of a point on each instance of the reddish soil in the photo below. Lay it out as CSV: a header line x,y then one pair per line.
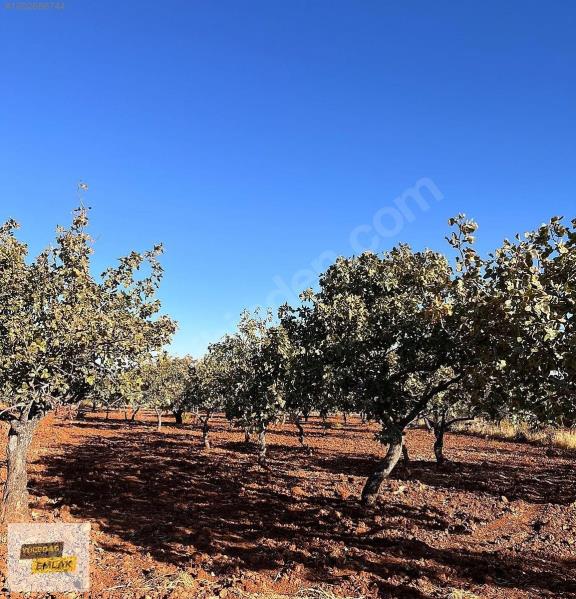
x,y
170,519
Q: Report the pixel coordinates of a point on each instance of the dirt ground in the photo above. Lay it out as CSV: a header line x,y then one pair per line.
x,y
170,519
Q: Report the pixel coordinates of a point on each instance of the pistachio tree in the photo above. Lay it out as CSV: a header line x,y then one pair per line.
x,y
211,383
124,392
389,332
531,320
305,387
256,353
447,409
64,332
166,385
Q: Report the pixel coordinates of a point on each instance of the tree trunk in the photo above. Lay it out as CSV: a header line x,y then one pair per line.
x,y
178,416
325,425
406,456
375,480
439,443
159,418
300,428
262,448
206,431
246,435
301,433
15,498
345,418
133,415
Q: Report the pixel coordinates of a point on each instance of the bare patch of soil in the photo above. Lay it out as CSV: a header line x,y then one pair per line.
x,y
170,519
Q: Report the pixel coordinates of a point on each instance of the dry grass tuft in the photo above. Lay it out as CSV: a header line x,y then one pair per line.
x,y
312,593
315,593
461,594
165,582
565,439
521,432
182,580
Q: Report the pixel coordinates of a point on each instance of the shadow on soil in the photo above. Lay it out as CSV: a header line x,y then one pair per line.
x,y
160,492
550,483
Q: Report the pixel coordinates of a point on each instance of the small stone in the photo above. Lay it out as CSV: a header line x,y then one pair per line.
x,y
297,491
43,501
342,491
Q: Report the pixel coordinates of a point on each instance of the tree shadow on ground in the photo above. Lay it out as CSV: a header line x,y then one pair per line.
x,y
97,421
546,483
152,490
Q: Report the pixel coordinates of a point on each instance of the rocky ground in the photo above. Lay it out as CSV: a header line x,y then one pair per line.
x,y
170,519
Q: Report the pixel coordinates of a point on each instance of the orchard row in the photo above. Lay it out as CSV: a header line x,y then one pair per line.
x,y
398,337
395,337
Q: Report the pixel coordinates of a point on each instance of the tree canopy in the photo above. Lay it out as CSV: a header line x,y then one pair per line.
x,y
65,332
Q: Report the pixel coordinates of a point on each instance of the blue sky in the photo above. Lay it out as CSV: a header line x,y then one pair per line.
x,y
254,138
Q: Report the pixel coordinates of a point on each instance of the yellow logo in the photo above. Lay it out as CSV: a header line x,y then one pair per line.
x,y
53,565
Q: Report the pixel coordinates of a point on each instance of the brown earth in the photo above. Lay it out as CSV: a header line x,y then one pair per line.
x,y
170,519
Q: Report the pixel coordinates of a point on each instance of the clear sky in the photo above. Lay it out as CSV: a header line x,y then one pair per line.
x,y
259,139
